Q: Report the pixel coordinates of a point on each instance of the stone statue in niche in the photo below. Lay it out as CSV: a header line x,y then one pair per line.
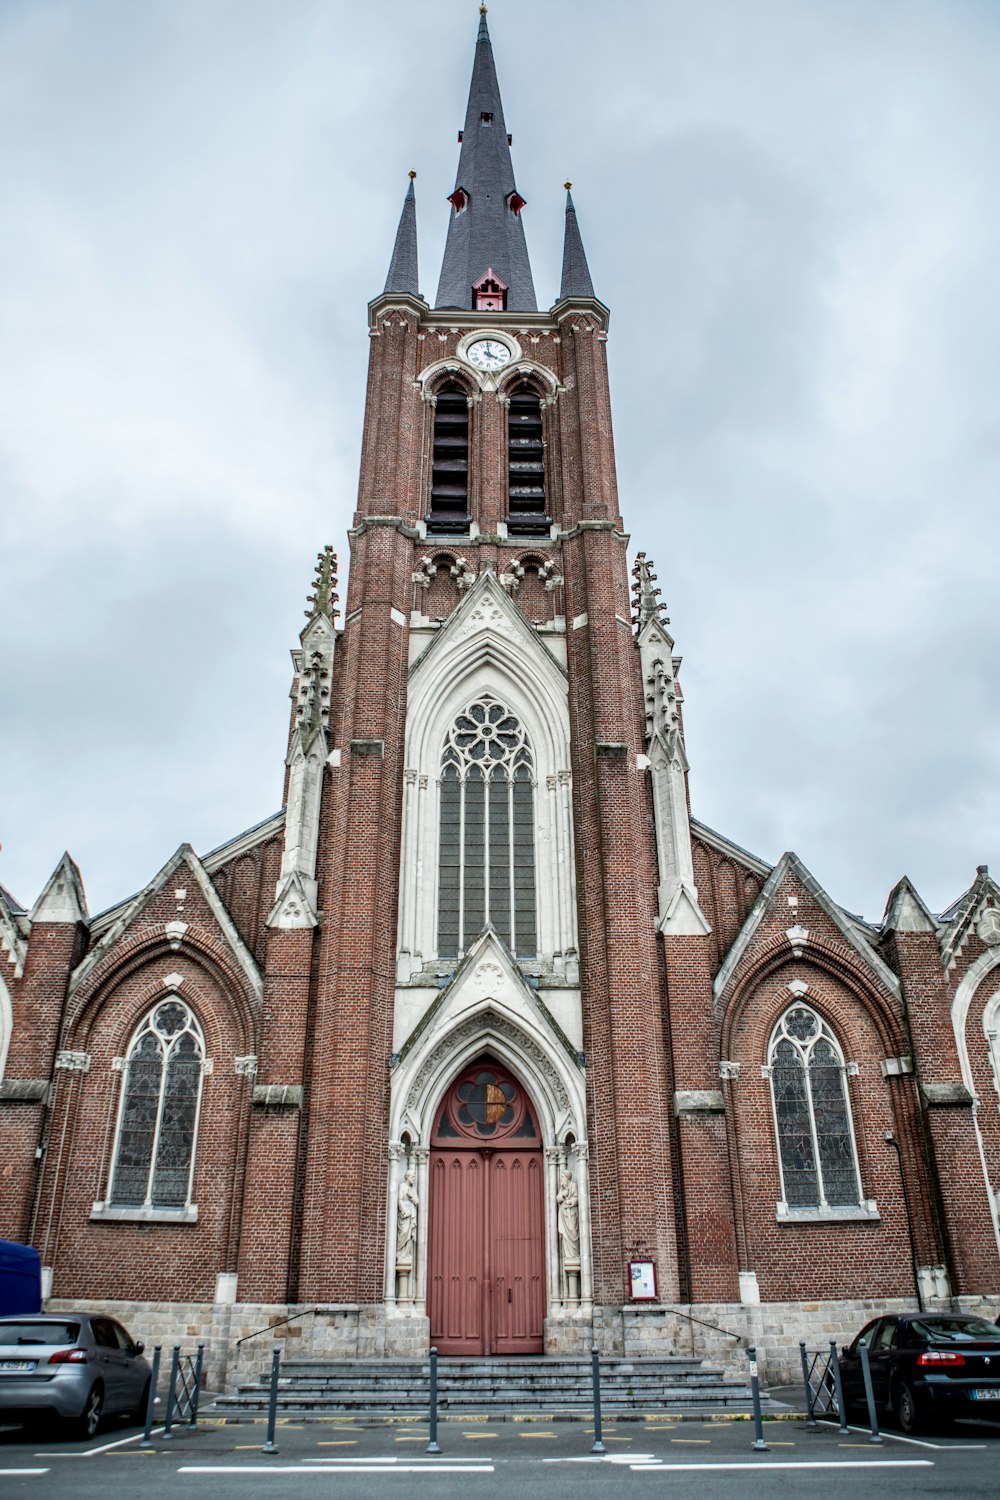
x,y
568,1207
406,1218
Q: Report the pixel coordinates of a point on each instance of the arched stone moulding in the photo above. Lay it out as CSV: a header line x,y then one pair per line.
x,y
486,648
555,1084
967,992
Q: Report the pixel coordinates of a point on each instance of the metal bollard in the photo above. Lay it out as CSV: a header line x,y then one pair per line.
x,y
838,1386
869,1393
272,1403
175,1364
147,1438
810,1414
196,1393
433,1446
759,1444
595,1370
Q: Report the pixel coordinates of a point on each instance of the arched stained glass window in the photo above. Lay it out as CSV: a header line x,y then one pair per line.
x,y
487,844
812,1114
161,1095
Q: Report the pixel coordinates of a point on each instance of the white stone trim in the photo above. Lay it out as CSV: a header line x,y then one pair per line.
x,y
6,1023
485,647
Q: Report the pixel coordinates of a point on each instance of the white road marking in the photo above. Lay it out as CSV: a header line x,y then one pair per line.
x,y
24,1471
373,1467
105,1447
899,1437
793,1463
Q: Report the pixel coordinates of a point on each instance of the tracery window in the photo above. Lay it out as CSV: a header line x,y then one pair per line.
x,y
487,840
161,1097
812,1114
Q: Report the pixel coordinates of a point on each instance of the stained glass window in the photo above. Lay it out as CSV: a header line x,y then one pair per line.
x,y
487,843
161,1094
812,1113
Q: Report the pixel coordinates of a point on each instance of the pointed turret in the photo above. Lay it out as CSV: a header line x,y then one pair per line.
x,y
576,280
485,234
403,275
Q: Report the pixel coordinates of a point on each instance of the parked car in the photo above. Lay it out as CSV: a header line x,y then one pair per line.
x,y
926,1368
71,1366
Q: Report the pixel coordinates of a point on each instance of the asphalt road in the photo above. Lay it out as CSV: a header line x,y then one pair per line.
x,y
548,1460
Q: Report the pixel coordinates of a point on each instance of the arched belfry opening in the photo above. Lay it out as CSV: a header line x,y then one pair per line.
x,y
486,1217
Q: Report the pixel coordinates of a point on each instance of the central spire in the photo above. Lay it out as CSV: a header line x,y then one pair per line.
x,y
485,234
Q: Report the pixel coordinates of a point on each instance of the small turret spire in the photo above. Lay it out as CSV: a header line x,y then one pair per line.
x,y
576,280
324,598
646,603
402,275
485,230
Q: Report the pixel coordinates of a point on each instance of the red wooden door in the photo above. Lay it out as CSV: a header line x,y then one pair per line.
x,y
486,1246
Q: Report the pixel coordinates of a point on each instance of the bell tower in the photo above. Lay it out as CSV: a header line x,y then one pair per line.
x,y
486,869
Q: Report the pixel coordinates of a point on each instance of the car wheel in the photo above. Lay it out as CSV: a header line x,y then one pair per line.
x,y
905,1406
89,1420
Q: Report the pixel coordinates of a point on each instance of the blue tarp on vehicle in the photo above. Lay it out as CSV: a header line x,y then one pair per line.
x,y
20,1279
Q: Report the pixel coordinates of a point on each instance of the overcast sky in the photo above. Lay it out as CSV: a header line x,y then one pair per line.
x,y
790,207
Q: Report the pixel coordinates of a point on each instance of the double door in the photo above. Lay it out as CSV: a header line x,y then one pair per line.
x,y
486,1260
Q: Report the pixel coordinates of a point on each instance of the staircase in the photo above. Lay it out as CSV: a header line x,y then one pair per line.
x,y
493,1386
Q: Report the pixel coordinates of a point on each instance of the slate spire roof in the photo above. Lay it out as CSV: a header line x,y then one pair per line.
x,y
485,231
402,275
576,280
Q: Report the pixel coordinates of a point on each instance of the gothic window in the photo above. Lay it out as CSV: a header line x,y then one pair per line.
x,y
449,511
812,1114
161,1095
487,839
525,464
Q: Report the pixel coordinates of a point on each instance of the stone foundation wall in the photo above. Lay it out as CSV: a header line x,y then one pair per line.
x,y
718,1332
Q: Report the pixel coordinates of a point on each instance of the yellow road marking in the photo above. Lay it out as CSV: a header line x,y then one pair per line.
x,y
412,1439
701,1442
537,1434
132,1453
340,1443
473,1435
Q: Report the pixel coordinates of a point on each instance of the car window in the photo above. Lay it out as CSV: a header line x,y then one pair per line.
x,y
13,1332
955,1330
888,1336
104,1333
867,1333
124,1342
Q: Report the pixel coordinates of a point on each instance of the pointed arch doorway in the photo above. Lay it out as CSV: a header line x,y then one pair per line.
x,y
486,1231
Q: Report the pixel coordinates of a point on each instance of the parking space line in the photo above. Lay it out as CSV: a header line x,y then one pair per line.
x,y
789,1463
373,1467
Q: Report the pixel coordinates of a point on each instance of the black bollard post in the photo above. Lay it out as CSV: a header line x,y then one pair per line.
x,y
595,1370
272,1403
147,1438
175,1364
869,1393
838,1386
759,1444
433,1446
195,1394
810,1414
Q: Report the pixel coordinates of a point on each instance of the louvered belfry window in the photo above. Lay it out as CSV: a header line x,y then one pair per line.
x,y
154,1152
487,844
449,510
526,464
812,1113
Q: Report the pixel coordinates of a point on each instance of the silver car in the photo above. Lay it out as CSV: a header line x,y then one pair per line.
x,y
72,1366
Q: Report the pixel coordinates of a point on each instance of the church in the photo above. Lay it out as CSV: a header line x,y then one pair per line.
x,y
484,1041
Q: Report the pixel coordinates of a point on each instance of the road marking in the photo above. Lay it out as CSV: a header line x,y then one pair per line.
x,y
699,1442
104,1448
537,1434
619,1459
472,1436
347,1468
24,1471
898,1437
792,1463
339,1443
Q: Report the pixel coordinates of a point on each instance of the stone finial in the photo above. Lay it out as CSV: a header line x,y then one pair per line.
x,y
646,603
324,598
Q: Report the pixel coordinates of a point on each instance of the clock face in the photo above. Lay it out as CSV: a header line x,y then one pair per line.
x,y
488,354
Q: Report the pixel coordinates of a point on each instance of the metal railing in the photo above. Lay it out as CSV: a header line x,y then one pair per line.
x,y
183,1392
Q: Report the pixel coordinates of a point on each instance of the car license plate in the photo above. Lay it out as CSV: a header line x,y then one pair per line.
x,y
17,1366
985,1395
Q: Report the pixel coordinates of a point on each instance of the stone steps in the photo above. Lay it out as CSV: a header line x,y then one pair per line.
x,y
513,1385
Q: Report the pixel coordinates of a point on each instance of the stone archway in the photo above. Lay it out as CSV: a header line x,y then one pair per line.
x,y
486,1268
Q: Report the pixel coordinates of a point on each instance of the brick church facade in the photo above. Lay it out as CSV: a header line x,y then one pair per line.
x,y
484,1040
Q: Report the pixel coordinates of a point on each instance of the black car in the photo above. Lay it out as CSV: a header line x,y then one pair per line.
x,y
926,1368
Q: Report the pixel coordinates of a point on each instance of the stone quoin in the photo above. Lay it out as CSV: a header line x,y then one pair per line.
x,y
485,1021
